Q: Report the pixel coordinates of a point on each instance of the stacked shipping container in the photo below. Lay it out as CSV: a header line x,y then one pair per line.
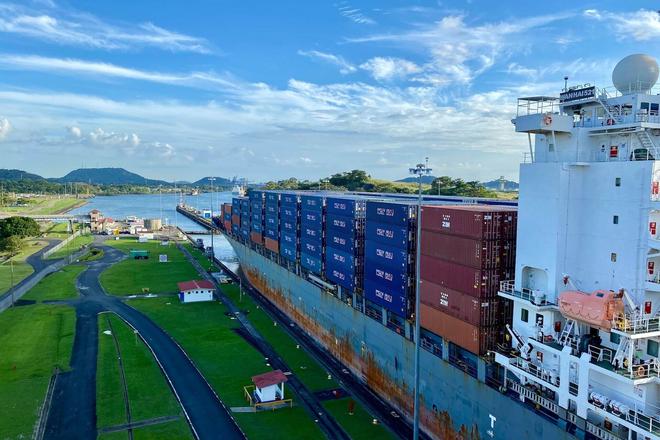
x,y
226,216
312,210
466,252
288,224
344,233
389,260
272,222
257,216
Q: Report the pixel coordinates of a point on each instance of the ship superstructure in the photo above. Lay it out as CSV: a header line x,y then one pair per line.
x,y
586,294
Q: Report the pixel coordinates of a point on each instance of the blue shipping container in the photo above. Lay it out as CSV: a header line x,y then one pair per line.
x,y
345,277
388,256
340,241
245,222
289,199
272,197
311,263
312,203
272,210
272,222
311,218
311,247
391,301
235,229
245,232
245,205
340,223
256,206
387,233
288,252
387,212
348,207
227,216
257,227
311,233
289,239
288,212
256,195
340,258
391,280
289,226
257,217
271,233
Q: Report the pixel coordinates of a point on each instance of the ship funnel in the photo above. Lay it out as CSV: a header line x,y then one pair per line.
x,y
636,73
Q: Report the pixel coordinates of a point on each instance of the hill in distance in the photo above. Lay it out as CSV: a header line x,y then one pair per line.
x,y
219,181
108,176
412,179
509,185
6,174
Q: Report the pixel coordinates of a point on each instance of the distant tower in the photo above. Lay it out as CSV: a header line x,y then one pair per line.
x,y
502,183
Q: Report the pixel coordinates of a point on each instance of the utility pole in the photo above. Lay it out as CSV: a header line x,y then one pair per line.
x,y
420,170
212,179
11,268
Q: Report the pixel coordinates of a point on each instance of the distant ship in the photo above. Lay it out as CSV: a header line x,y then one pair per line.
x,y
545,330
238,190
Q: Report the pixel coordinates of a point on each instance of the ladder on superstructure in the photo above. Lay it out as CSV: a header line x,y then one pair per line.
x,y
647,143
621,351
565,338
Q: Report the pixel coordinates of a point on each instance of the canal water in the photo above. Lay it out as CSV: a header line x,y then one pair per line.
x,y
163,206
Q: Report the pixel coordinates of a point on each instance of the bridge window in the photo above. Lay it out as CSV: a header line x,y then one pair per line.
x,y
615,338
617,181
615,219
524,315
652,348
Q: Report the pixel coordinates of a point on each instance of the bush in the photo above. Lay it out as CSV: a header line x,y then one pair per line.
x,y
19,226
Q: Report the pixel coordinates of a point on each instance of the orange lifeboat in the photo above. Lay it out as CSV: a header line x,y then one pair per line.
x,y
597,308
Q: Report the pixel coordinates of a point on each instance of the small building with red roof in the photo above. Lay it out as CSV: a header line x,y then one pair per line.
x,y
196,291
269,387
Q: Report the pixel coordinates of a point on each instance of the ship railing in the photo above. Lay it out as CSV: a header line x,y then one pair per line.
x,y
573,388
618,119
600,354
537,104
544,374
631,324
646,417
526,294
601,433
533,395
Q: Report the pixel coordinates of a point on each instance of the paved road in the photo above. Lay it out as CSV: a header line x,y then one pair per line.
x,y
309,400
37,263
73,407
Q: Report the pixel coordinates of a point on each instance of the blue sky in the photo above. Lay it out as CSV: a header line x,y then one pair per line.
x,y
269,90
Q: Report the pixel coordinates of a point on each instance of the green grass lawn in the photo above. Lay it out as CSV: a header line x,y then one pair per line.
x,y
148,392
227,361
71,247
33,340
21,268
45,205
301,363
131,276
200,257
174,430
56,230
57,286
358,426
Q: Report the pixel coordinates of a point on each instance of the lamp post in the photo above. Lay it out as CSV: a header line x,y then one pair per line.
x,y
420,170
212,179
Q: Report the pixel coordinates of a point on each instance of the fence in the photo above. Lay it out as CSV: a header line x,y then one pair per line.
x,y
59,246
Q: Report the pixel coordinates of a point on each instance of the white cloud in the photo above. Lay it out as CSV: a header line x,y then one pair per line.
x,y
344,66
74,132
354,14
578,69
457,51
641,25
387,68
5,128
103,138
69,27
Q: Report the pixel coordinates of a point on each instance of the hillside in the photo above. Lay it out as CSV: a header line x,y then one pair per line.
x,y
108,176
509,185
219,181
412,179
6,174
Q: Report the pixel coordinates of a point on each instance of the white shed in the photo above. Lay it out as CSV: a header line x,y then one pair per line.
x,y
196,291
269,387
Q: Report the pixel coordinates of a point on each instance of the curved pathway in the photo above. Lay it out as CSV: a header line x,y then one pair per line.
x,y
73,411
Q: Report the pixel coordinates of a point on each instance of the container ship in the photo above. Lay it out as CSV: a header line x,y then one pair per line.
x,y
539,318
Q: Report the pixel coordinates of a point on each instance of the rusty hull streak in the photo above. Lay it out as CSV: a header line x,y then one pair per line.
x,y
436,423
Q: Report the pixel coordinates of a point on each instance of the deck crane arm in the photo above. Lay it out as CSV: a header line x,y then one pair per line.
x,y
523,347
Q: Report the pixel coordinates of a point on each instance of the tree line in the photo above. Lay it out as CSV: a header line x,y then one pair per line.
x,y
12,232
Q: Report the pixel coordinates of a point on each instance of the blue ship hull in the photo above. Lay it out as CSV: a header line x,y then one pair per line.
x,y
453,401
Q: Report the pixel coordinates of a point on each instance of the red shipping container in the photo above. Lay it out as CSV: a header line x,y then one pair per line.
x,y
471,252
272,245
475,221
477,340
227,225
476,282
226,208
256,237
481,313
235,219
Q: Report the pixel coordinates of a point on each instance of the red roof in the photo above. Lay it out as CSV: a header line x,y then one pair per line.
x,y
270,378
194,285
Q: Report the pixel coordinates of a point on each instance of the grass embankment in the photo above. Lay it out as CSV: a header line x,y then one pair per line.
x,y
44,206
59,285
227,361
359,425
21,268
56,230
202,259
131,276
148,392
71,247
34,339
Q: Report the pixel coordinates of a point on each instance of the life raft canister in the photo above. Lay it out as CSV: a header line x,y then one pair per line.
x,y
547,119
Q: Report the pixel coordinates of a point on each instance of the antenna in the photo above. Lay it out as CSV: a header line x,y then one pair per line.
x,y
565,83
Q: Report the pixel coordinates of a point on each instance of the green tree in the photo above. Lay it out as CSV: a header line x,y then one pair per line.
x,y
447,186
351,180
19,226
12,245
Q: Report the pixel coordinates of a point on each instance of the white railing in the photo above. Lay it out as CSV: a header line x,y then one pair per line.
x,y
630,324
533,106
544,374
614,120
601,354
530,295
647,418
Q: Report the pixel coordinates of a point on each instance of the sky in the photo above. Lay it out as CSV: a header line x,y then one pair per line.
x,y
274,89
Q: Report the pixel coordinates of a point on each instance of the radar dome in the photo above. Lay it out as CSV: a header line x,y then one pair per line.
x,y
635,74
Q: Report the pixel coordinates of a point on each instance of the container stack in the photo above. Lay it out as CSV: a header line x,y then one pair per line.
x,y
289,222
226,216
311,232
257,217
236,216
389,265
344,233
245,218
466,252
272,222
